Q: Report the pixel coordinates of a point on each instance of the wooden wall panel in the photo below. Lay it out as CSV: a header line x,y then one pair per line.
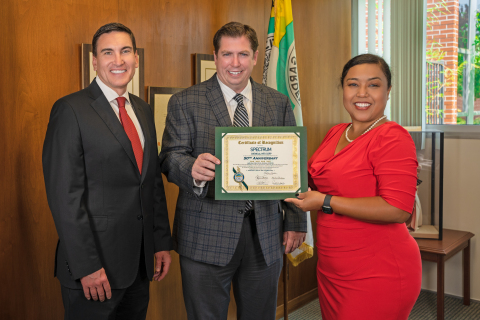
x,y
6,185
8,240
43,40
41,47
171,31
322,41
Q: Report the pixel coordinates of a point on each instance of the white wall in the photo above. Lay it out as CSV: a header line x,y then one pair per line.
x,y
461,212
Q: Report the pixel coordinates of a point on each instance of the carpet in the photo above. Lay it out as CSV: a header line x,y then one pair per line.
x,y
425,309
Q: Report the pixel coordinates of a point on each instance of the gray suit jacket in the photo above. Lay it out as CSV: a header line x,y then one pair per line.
x,y
205,229
102,207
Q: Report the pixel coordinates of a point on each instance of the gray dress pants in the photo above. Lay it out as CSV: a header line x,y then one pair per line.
x,y
206,287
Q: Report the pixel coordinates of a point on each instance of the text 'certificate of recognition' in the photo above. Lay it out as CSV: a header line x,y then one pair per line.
x,y
260,163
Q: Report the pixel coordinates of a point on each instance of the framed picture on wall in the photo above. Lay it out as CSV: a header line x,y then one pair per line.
x,y
204,67
136,85
158,98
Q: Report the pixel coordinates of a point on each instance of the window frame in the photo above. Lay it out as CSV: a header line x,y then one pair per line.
x,y
453,131
459,131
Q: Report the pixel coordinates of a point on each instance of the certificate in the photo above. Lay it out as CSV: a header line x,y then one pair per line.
x,y
260,163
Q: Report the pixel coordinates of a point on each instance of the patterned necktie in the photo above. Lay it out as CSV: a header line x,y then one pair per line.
x,y
240,119
131,132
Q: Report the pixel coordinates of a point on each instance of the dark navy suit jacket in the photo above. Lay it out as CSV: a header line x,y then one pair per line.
x,y
102,207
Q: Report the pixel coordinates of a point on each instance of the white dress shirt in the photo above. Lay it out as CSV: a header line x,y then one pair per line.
x,y
111,96
228,95
231,103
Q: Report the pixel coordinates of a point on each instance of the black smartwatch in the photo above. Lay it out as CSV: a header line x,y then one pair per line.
x,y
326,205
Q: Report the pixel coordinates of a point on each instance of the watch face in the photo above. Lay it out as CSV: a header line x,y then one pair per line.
x,y
327,209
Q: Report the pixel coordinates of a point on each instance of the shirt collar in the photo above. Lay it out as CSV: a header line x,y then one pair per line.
x,y
229,93
109,93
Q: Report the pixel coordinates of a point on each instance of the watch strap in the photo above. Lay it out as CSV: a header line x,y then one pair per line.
x,y
326,201
326,208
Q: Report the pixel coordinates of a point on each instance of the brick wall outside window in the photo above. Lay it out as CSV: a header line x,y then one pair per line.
x,y
442,35
442,38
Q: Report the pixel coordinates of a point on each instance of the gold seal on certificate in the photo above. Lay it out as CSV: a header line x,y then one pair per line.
x,y
260,163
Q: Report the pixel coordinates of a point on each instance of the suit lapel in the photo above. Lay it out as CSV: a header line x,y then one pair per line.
x,y
217,102
105,111
140,113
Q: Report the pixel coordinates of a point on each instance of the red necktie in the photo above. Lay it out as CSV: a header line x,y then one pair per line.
x,y
131,132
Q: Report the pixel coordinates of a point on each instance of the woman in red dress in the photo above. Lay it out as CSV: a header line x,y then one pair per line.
x,y
364,180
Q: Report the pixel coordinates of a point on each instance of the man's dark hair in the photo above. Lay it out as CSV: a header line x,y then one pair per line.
x,y
111,27
370,59
236,30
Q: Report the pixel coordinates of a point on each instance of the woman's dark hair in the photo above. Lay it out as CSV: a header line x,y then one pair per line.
x,y
371,59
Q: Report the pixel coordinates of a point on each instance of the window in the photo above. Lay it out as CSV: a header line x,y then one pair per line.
x,y
371,30
453,62
433,48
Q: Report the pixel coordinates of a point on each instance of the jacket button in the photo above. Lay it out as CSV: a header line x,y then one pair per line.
x,y
139,217
141,186
240,211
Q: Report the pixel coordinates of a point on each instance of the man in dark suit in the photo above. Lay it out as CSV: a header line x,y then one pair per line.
x,y
221,242
105,190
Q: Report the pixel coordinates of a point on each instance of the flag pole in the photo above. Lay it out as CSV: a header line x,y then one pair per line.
x,y
285,287
280,72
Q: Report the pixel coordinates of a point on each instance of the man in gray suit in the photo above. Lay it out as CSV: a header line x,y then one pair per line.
x,y
221,242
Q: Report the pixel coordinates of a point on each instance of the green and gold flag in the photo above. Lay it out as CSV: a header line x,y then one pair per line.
x,y
280,72
280,68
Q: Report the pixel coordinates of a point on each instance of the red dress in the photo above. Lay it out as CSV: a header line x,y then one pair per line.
x,y
366,270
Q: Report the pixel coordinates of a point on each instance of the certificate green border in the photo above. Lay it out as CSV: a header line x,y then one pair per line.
x,y
220,133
